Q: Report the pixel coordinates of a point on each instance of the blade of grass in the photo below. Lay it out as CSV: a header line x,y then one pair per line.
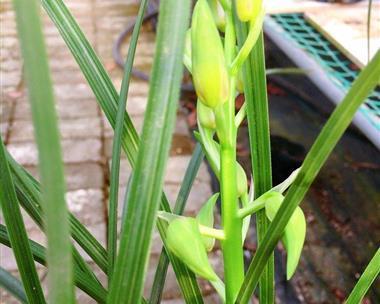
x,y
12,285
28,192
17,233
365,281
105,93
255,92
117,140
184,191
147,180
318,154
88,285
59,256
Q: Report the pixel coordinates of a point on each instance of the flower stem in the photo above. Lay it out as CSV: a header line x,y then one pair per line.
x,y
232,224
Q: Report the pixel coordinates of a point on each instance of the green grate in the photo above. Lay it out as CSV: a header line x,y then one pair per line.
x,y
341,70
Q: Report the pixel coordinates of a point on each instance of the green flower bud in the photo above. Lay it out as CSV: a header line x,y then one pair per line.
x,y
205,217
294,233
219,14
206,116
248,10
185,241
208,63
242,185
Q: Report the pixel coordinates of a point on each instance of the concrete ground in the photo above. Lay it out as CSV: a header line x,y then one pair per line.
x,y
85,133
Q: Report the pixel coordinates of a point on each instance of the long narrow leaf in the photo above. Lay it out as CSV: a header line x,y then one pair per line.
x,y
88,285
17,233
60,281
12,285
163,262
318,154
366,279
255,92
29,195
93,70
147,180
116,147
105,93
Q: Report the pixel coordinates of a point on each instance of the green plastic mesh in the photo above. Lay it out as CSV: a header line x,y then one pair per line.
x,y
337,66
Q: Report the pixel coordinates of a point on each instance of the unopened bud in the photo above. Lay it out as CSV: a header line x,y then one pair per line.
x,y
218,13
206,116
208,63
185,241
248,10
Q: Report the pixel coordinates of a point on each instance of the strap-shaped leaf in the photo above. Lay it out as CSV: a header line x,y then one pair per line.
x,y
117,141
366,279
107,98
60,275
12,285
147,180
255,92
17,233
28,192
318,154
81,279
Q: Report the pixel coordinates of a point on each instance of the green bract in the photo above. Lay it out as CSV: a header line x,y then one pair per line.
x,y
185,241
205,217
206,116
209,69
247,10
294,233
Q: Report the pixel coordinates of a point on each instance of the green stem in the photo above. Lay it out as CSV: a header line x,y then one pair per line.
x,y
251,208
232,224
240,116
212,232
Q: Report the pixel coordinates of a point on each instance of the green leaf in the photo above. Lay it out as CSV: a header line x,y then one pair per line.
x,y
81,278
147,180
117,141
185,241
318,154
366,279
205,217
12,285
255,92
29,195
107,98
17,233
60,281
294,233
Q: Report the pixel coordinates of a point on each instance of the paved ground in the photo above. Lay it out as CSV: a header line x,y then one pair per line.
x,y
86,135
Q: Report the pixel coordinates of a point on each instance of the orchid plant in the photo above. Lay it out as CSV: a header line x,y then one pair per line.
x,y
224,51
